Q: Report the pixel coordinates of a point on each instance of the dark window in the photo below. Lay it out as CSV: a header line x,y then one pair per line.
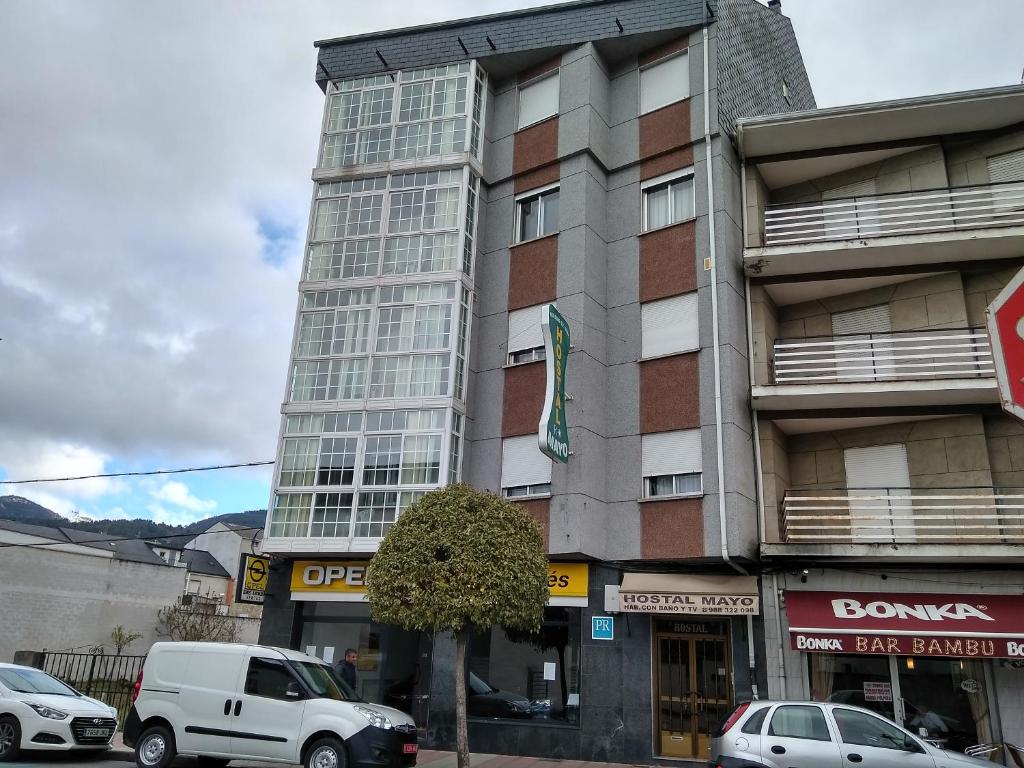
x,y
867,730
799,723
268,677
523,676
753,725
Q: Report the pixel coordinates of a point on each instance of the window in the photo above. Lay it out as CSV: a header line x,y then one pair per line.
x,y
538,100
524,467
290,516
536,215
669,326
884,469
298,461
671,463
867,730
785,90
754,723
269,678
337,461
1006,168
510,673
664,82
799,722
409,376
352,258
668,200
332,515
377,511
525,337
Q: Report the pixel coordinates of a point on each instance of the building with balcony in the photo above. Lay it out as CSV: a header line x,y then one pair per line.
x,y
891,492
469,173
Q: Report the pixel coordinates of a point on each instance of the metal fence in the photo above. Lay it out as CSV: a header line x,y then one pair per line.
x,y
107,677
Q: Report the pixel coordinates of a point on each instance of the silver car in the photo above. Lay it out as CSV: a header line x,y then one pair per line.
x,y
806,734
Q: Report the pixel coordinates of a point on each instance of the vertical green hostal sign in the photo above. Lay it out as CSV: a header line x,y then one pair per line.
x,y
552,433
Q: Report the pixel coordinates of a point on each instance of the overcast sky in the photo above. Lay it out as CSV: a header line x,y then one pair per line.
x,y
154,191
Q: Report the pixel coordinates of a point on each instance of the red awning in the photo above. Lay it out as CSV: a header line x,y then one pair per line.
x,y
906,624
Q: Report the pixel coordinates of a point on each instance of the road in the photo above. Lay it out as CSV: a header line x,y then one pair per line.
x,y
112,759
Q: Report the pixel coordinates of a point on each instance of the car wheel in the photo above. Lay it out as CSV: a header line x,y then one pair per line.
x,y
213,762
326,753
10,738
155,748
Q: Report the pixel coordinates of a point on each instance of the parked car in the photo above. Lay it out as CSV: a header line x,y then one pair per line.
x,y
485,700
38,711
806,734
223,701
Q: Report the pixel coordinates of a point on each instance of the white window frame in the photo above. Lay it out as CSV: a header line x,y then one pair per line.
x,y
511,344
555,73
653,65
538,194
667,180
687,301
691,464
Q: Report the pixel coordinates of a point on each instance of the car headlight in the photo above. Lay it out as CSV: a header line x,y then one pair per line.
x,y
376,719
48,712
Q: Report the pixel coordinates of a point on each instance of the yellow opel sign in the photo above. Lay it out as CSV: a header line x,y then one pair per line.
x,y
253,579
349,577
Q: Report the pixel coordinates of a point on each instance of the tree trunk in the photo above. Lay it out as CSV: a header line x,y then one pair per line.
x,y
461,732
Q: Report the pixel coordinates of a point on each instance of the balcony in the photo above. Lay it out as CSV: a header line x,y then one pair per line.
x,y
899,517
941,367
896,229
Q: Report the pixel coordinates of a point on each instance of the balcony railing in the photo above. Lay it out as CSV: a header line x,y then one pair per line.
x,y
900,213
904,516
914,355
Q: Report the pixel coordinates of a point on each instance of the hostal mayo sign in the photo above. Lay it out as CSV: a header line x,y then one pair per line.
x,y
552,433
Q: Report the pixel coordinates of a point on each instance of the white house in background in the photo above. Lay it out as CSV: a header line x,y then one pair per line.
x,y
222,544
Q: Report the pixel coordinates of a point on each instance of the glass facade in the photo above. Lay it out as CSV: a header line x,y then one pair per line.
x,y
374,407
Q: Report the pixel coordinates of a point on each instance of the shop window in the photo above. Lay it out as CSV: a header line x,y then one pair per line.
x,y
269,678
664,82
799,723
538,100
527,676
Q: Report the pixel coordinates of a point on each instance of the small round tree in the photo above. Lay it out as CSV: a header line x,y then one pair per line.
x,y
460,560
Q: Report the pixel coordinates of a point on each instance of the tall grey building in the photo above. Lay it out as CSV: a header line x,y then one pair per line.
x,y
468,174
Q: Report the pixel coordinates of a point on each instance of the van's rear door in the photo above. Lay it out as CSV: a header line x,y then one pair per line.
x,y
208,695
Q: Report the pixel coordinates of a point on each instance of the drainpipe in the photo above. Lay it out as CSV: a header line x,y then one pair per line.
x,y
782,645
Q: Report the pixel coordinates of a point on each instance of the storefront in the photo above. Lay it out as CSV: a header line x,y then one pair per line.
x,y
692,654
937,663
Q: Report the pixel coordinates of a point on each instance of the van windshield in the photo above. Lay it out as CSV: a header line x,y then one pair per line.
x,y
324,681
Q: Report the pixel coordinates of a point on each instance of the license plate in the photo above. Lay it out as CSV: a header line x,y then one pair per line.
x,y
410,749
96,732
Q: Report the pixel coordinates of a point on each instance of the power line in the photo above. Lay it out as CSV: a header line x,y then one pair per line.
x,y
107,540
139,474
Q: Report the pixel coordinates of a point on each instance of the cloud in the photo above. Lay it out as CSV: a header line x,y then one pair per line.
x,y
39,459
178,494
160,514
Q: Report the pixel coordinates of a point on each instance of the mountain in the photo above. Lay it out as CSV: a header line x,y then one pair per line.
x,y
25,511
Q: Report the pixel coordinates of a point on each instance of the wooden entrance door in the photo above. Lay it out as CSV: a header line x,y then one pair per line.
x,y
693,691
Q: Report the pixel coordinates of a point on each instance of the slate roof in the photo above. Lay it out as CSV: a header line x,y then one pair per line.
x,y
201,561
130,550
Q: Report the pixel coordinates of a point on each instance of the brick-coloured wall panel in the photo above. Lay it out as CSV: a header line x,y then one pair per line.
x,y
668,261
672,529
667,49
669,393
540,69
535,146
675,160
523,399
540,177
533,270
539,510
665,129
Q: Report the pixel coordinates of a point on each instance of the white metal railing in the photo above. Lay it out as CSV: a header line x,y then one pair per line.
x,y
911,355
901,213
904,515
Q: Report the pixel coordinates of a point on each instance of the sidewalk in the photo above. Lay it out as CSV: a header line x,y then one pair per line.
x,y
427,757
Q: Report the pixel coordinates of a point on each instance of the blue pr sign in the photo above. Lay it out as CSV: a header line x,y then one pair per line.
x,y
602,628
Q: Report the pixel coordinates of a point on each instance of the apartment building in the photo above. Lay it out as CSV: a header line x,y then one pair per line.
x,y
891,494
468,174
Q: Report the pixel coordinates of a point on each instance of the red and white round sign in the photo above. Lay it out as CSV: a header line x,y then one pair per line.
x,y
1006,332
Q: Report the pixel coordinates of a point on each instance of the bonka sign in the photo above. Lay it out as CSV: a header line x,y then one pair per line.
x,y
552,433
906,624
252,582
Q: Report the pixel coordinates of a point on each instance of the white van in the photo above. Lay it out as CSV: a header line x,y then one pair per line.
x,y
221,702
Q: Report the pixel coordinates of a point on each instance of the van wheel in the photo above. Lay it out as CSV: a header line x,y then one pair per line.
x,y
326,753
213,762
155,748
10,738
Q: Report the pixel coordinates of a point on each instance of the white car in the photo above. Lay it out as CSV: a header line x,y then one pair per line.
x,y
38,711
225,701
